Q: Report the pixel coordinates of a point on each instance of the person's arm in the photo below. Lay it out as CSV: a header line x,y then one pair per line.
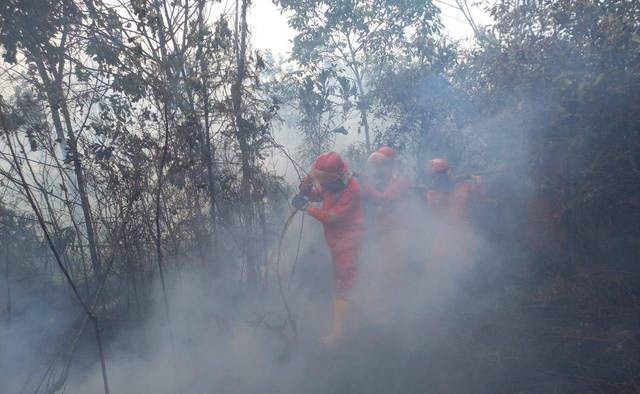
x,y
472,188
394,189
371,193
345,204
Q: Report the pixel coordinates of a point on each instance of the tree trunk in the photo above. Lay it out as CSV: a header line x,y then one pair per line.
x,y
421,152
243,137
7,280
84,197
364,117
209,151
362,104
57,104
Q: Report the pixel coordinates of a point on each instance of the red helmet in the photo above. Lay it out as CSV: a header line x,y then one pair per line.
x,y
378,159
438,165
382,156
388,151
328,167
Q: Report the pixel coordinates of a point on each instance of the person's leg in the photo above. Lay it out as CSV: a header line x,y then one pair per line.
x,y
340,311
394,244
345,273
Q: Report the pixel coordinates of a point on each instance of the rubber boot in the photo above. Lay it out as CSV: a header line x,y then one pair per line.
x,y
340,308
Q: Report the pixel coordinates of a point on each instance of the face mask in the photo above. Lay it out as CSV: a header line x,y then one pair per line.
x,y
334,186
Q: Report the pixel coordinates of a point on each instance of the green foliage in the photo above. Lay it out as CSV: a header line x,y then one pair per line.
x,y
354,40
20,240
417,99
375,29
30,23
562,78
317,101
578,60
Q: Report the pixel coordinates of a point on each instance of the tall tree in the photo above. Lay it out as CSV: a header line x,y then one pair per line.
x,y
416,97
42,32
356,38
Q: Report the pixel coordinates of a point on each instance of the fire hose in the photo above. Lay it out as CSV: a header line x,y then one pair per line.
x,y
283,296
305,189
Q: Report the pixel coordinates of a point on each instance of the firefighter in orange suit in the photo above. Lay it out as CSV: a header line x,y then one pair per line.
x,y
331,183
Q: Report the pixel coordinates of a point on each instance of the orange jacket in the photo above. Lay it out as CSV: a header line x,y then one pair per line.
x,y
452,213
342,217
388,209
454,205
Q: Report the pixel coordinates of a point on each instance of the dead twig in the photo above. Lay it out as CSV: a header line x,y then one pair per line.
x,y
27,191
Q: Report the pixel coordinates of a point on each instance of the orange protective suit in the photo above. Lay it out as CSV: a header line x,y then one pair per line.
x,y
450,211
342,217
390,222
388,210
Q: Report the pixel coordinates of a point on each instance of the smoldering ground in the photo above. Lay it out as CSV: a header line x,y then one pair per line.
x,y
452,328
435,330
40,316
444,329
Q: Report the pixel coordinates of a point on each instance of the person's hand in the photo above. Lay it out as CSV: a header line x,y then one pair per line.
x,y
306,185
300,202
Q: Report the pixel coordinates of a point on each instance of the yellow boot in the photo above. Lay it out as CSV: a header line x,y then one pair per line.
x,y
340,308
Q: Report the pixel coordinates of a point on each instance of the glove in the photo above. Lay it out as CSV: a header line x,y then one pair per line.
x,y
306,185
300,202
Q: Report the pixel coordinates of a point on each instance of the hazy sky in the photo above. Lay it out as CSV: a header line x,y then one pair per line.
x,y
270,29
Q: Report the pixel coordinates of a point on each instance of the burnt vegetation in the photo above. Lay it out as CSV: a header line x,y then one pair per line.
x,y
142,153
